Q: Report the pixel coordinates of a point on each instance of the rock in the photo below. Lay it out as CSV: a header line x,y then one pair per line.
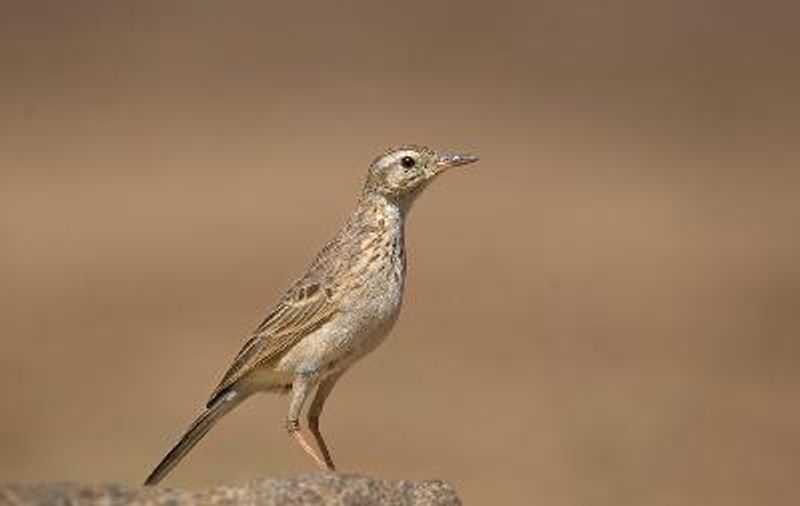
x,y
312,489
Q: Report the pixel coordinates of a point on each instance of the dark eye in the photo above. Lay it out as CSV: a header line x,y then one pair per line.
x,y
407,162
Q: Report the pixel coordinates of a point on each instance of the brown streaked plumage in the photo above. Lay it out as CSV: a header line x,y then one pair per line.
x,y
339,310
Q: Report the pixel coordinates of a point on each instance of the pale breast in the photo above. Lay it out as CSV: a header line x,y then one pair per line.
x,y
371,297
360,325
377,294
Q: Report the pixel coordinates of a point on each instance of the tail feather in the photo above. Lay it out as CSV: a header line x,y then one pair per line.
x,y
202,424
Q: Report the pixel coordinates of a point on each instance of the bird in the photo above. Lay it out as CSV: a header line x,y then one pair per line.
x,y
339,310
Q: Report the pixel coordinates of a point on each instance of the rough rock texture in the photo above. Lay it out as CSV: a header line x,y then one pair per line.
x,y
313,489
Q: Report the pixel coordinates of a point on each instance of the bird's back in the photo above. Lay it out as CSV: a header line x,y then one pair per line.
x,y
347,301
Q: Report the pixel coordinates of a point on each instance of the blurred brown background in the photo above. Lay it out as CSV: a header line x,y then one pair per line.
x,y
604,311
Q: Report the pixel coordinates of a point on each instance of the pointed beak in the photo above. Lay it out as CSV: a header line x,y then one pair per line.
x,y
448,160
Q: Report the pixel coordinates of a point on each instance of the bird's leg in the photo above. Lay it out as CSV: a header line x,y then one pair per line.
x,y
315,410
301,386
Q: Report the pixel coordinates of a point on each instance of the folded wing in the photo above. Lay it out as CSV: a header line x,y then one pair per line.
x,y
303,310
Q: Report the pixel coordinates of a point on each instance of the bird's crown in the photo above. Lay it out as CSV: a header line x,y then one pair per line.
x,y
401,173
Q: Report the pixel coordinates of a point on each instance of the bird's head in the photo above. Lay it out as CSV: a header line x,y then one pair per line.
x,y
400,174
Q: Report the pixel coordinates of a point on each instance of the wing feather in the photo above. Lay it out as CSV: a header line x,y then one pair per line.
x,y
303,310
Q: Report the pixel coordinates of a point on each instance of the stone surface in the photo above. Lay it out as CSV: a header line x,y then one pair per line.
x,y
312,489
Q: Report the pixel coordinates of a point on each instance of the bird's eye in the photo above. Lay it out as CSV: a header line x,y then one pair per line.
x,y
407,162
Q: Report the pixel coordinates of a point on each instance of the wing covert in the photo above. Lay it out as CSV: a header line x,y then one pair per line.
x,y
303,310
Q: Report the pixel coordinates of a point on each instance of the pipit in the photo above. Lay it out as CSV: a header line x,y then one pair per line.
x,y
338,311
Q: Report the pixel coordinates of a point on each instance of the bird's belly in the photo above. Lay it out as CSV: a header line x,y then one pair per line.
x,y
358,329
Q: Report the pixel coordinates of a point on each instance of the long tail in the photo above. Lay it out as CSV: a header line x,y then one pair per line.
x,y
202,424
